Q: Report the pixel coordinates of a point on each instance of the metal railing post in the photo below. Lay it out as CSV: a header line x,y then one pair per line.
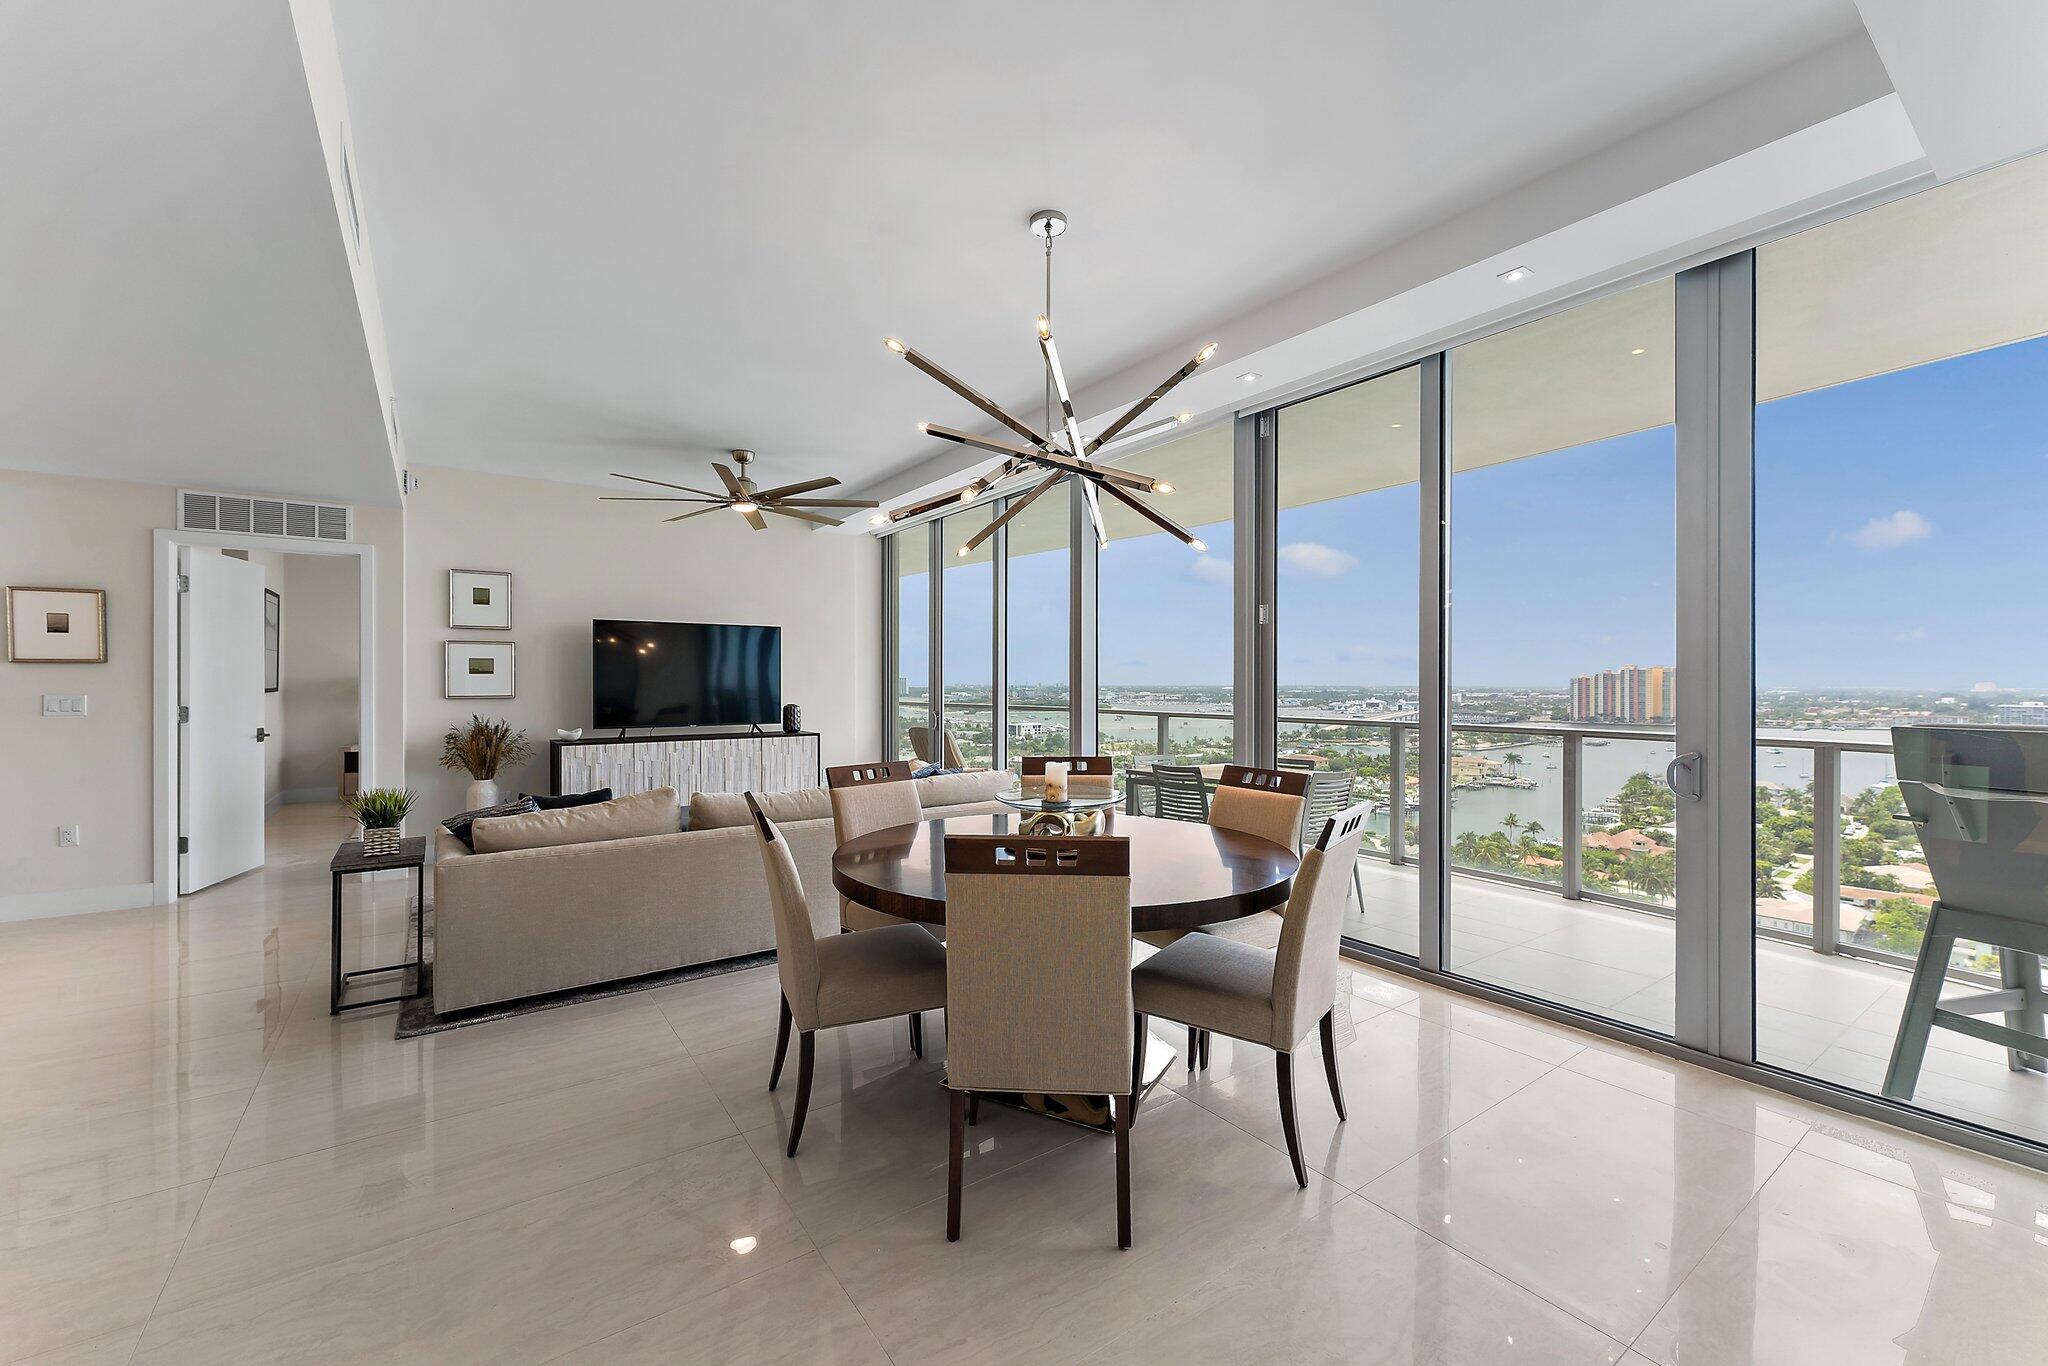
x,y
1165,750
1397,795
1573,837
1827,848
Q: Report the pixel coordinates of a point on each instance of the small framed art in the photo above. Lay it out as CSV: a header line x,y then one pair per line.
x,y
273,629
476,668
479,600
56,625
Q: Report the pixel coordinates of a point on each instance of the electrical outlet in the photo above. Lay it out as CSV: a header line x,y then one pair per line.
x,y
67,836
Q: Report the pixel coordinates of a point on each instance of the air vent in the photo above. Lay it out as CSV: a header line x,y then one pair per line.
x,y
256,516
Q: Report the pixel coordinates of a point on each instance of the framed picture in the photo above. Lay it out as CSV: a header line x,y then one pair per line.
x,y
476,668
273,627
56,625
479,600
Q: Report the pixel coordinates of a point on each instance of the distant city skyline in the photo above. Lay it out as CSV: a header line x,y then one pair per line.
x,y
1897,524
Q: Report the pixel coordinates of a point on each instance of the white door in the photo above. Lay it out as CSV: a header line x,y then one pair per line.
x,y
220,742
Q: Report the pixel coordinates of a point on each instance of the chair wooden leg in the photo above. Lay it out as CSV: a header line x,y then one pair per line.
x,y
806,1057
1124,1107
956,1144
1909,1049
973,1108
1286,1075
781,1046
917,1033
1194,1049
1330,1062
1140,1033
1205,1050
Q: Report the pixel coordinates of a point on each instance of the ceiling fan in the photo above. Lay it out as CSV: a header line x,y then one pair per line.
x,y
744,498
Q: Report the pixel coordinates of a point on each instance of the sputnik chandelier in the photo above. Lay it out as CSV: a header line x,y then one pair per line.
x,y
1042,451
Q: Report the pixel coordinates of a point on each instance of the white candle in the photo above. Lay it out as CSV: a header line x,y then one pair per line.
x,y
1055,782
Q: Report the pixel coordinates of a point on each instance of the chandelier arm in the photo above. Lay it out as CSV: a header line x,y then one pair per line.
x,y
1016,506
1128,478
1048,349
1094,502
928,505
784,490
986,443
978,399
1159,520
698,513
659,483
1137,409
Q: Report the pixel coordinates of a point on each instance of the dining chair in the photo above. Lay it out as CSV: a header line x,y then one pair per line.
x,y
1179,793
1978,798
921,745
1329,791
1269,803
1296,761
1038,982
1271,997
867,798
841,979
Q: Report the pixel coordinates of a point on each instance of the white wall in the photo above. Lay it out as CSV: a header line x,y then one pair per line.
x,y
98,771
573,558
319,670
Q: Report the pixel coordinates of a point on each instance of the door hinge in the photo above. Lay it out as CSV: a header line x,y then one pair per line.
x,y
184,583
184,845
184,716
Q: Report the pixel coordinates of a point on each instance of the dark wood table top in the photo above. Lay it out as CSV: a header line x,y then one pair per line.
x,y
1183,873
349,858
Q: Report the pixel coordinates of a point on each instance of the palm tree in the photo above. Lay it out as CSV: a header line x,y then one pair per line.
x,y
1532,830
1513,760
1511,823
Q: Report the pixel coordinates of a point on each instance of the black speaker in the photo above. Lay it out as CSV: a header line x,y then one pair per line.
x,y
792,719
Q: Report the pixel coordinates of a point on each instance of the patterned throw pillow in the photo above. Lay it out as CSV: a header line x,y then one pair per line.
x,y
569,799
459,826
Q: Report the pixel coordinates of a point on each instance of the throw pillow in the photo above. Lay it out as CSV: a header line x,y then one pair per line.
x,y
463,826
569,799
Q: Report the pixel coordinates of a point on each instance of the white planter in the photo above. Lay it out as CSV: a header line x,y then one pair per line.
x,y
482,793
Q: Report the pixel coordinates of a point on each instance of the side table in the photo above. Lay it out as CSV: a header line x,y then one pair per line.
x,y
349,858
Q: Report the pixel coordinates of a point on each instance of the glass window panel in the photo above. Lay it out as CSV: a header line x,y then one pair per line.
x,y
1165,651
968,637
1563,650
1350,463
913,636
1038,619
1902,385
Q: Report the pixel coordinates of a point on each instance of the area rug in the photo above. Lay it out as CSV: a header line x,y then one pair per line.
x,y
418,1016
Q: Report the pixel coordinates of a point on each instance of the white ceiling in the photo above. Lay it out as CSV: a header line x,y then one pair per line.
x,y
175,301
630,239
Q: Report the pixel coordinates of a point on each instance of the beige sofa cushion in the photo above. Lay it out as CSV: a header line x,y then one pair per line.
x,y
962,789
657,812
720,810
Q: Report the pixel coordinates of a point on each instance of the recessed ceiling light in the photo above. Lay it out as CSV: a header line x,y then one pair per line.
x,y
1249,376
1515,276
1638,351
1393,424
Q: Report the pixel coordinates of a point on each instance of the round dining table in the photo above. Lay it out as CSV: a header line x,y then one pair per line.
x,y
1184,874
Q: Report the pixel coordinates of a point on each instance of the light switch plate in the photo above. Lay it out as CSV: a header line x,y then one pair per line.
x,y
63,704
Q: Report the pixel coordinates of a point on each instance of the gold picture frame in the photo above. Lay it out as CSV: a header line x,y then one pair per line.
x,y
56,625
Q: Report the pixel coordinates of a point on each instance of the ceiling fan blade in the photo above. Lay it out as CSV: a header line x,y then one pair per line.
x,y
805,487
731,481
698,513
635,498
754,518
804,516
827,502
659,483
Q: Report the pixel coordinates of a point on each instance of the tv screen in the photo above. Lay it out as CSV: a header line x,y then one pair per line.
x,y
675,673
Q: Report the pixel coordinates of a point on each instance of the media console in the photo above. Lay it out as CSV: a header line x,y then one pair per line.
x,y
695,761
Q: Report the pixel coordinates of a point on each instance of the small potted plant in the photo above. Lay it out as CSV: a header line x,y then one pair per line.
x,y
480,749
381,812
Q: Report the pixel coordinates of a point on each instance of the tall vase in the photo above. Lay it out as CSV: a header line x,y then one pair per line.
x,y
483,792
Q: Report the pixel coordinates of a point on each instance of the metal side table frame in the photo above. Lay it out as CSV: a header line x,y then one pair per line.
x,y
348,859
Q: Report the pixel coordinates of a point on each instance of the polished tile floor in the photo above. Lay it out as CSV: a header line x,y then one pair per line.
x,y
1833,1018
198,1165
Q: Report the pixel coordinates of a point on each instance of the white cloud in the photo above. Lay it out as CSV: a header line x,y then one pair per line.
x,y
1212,569
1912,637
1889,533
1316,560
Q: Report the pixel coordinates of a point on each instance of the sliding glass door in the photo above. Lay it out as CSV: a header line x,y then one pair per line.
x,y
910,674
1038,620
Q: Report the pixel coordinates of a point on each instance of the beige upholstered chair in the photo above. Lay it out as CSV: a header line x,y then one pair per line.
x,y
1268,996
867,798
1272,804
921,746
841,979
1038,994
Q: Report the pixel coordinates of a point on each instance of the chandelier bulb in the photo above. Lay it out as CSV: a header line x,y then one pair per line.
x,y
894,345
961,553
1199,547
1183,418
1201,357
1161,486
924,429
1044,326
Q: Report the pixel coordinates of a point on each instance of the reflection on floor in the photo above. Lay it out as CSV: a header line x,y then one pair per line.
x,y
198,1165
1828,1017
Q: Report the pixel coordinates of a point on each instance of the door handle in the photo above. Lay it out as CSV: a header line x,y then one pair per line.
x,y
261,735
1687,764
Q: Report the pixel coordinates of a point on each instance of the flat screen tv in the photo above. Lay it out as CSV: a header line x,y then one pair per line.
x,y
677,673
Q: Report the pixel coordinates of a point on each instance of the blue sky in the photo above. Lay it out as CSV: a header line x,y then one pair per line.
x,y
1901,541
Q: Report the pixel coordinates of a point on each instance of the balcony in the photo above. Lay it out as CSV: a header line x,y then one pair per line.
x,y
1591,924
